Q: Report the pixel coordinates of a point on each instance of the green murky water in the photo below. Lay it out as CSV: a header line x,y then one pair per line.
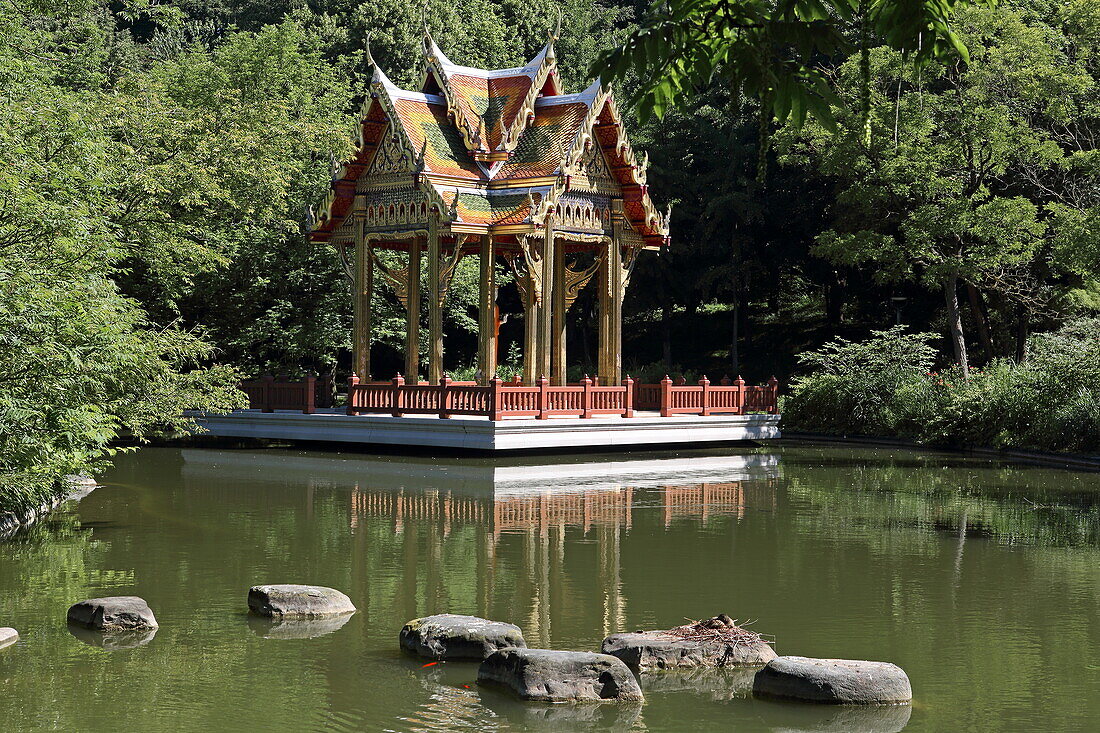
x,y
982,580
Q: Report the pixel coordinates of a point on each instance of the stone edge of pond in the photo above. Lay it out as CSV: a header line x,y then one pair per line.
x,y
12,523
1078,461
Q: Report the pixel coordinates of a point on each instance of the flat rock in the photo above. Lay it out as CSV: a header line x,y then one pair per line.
x,y
8,636
451,636
298,601
656,650
558,676
116,613
837,681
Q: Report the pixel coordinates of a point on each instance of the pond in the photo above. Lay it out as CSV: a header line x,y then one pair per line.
x,y
981,579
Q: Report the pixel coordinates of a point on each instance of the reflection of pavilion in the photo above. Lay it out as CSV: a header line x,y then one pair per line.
x,y
540,511
455,530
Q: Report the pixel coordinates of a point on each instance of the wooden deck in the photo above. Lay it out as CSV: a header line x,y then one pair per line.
x,y
480,434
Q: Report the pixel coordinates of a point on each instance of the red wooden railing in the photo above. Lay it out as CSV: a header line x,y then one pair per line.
x,y
499,399
496,400
727,397
268,394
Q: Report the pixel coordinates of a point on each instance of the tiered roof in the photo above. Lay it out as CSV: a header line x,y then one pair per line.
x,y
494,150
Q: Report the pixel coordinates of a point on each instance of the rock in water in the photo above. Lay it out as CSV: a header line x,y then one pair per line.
x,y
837,681
117,613
556,676
450,636
713,642
298,601
8,636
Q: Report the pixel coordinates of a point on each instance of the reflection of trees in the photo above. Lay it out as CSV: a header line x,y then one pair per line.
x,y
1010,504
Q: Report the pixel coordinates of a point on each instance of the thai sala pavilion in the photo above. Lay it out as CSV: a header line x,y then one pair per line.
x,y
505,166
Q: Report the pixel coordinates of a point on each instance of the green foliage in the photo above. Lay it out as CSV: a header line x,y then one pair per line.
x,y
884,386
769,50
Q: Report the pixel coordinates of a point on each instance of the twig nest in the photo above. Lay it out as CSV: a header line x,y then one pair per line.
x,y
713,642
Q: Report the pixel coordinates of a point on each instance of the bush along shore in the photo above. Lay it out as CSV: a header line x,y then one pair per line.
x,y
888,386
24,502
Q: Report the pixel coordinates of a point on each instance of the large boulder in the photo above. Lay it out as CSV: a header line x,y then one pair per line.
x,y
451,636
8,636
116,613
298,601
558,676
837,681
715,642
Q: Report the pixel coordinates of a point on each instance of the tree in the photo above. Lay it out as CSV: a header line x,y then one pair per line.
x,y
939,193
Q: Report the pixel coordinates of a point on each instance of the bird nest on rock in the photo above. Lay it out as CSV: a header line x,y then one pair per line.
x,y
720,628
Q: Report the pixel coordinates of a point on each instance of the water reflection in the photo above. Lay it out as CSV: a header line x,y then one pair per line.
x,y
793,717
113,640
269,628
941,564
538,504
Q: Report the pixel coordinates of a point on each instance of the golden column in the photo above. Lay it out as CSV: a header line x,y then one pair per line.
x,y
412,312
435,301
487,319
557,303
546,311
362,289
611,304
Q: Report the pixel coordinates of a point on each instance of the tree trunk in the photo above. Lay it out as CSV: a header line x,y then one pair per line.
x,y
981,319
666,335
1021,333
834,302
954,322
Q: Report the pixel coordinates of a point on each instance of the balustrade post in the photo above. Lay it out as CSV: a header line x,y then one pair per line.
x,y
666,397
544,398
395,399
740,384
267,393
628,404
353,383
311,394
586,383
705,384
496,399
773,394
444,392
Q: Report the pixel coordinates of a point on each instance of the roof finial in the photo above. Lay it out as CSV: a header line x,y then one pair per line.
x,y
370,58
557,29
424,21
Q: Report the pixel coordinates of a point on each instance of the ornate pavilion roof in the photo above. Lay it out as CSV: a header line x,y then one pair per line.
x,y
494,149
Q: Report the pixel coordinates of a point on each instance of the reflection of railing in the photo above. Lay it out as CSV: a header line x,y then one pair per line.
x,y
496,400
268,394
538,511
703,500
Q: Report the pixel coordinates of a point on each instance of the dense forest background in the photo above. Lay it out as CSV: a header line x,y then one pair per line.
x,y
159,161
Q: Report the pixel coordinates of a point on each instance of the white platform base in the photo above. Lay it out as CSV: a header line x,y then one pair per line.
x,y
480,434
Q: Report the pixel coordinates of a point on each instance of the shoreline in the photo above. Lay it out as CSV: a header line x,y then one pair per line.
x,y
12,523
1074,461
